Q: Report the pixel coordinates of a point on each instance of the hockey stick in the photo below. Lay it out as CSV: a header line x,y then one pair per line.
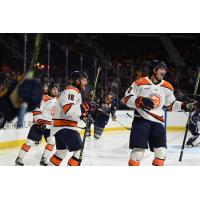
x,y
123,125
189,117
88,119
130,115
29,75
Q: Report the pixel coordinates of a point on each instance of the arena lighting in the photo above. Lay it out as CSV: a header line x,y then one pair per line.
x,y
39,66
42,67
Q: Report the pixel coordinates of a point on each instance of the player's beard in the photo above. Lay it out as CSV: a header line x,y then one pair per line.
x,y
162,75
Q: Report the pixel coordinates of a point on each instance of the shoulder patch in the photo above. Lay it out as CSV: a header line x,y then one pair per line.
x,y
69,87
167,85
142,81
46,98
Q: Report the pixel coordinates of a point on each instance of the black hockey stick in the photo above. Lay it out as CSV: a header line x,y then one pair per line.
x,y
88,121
130,115
29,75
123,125
189,117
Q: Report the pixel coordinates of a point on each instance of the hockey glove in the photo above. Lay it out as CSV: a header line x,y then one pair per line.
x,y
87,107
144,103
189,106
41,124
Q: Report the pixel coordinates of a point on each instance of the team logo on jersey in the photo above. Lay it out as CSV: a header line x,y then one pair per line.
x,y
156,99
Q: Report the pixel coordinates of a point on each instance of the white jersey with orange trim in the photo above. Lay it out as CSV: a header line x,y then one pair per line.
x,y
67,110
162,94
46,111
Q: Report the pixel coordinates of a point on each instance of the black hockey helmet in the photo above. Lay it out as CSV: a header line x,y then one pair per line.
x,y
156,64
77,75
52,85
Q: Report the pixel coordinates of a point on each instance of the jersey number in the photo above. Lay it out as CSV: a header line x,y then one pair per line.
x,y
53,109
71,97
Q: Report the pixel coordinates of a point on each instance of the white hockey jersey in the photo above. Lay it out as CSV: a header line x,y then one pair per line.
x,y
162,94
46,111
67,110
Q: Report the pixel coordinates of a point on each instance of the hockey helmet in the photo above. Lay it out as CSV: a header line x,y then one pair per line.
x,y
52,85
75,75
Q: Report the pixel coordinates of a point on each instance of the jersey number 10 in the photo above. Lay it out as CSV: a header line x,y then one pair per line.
x,y
71,97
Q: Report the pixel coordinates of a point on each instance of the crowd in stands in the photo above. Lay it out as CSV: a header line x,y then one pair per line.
x,y
126,63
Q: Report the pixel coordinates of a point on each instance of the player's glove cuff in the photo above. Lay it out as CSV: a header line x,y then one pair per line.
x,y
41,124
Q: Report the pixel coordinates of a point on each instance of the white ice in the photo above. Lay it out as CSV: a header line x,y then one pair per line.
x,y
112,150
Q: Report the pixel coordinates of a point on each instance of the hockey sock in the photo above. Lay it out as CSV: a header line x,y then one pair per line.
x,y
57,158
73,161
25,148
136,156
47,151
160,155
158,162
133,163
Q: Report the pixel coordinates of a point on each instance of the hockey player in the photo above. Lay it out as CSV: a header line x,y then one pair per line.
x,y
45,92
45,89
42,117
194,127
69,109
14,94
147,96
102,115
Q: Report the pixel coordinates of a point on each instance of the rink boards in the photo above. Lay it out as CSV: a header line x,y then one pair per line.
x,y
11,137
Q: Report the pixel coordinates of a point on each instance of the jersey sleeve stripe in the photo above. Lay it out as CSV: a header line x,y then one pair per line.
x,y
169,108
66,107
127,98
36,113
